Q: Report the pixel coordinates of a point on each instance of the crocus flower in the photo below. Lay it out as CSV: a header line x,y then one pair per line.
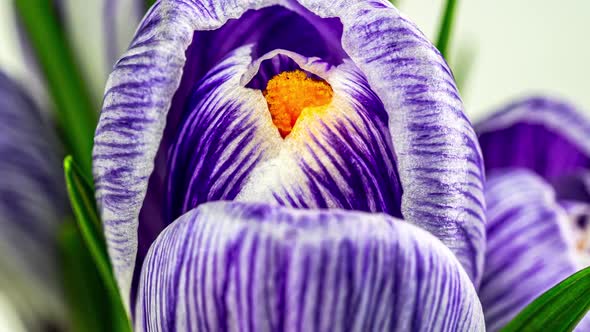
x,y
292,113
32,191
32,203
537,157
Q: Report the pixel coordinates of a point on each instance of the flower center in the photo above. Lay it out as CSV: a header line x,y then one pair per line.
x,y
291,95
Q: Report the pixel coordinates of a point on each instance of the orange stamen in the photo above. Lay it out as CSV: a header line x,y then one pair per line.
x,y
290,93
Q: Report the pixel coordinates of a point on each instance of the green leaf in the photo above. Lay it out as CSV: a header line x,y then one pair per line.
x,y
149,3
559,309
83,204
446,27
75,111
84,289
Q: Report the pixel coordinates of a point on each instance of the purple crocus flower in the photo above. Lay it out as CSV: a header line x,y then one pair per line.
x,y
332,132
537,156
32,204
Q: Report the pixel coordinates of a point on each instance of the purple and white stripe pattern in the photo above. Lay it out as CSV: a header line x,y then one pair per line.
x,y
537,156
184,122
530,247
320,167
32,203
551,138
270,268
548,136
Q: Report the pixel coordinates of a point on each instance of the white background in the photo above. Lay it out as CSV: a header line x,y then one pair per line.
x,y
521,47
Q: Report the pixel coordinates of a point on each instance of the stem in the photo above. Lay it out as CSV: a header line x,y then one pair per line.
x,y
446,27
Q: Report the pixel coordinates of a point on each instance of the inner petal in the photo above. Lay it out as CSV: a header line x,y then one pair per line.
x,y
336,151
339,152
579,222
293,94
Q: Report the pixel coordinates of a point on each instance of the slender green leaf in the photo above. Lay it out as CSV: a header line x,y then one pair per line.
x,y
75,111
84,207
559,309
83,204
446,28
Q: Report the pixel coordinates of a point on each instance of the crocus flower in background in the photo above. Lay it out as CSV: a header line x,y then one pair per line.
x,y
32,204
296,112
537,157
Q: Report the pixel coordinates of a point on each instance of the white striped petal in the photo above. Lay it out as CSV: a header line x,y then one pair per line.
x,y
530,246
231,266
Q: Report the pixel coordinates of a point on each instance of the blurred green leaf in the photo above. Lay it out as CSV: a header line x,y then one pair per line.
x,y
73,105
463,65
559,309
82,200
89,308
149,3
446,28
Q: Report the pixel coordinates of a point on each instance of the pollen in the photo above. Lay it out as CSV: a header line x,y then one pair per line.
x,y
291,93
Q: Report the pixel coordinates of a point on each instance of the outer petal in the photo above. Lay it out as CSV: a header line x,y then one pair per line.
x,y
241,267
545,135
31,205
530,248
439,159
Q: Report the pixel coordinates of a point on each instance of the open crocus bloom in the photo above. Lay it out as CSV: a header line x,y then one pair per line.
x,y
537,156
310,105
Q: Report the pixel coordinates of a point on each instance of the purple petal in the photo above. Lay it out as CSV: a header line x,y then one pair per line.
x,y
231,266
437,153
544,135
573,187
32,203
530,247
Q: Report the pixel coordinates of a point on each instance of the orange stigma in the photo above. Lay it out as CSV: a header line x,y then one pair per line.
x,y
290,93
